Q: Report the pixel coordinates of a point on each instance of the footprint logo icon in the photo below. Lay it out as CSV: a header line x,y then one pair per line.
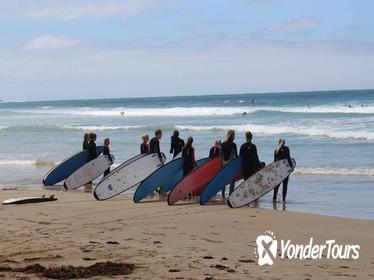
x,y
267,246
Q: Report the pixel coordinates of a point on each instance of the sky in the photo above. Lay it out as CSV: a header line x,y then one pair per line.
x,y
77,49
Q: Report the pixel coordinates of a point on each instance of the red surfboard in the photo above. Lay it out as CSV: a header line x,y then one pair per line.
x,y
195,181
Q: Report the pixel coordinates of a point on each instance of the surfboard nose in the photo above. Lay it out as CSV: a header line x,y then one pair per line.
x,y
95,196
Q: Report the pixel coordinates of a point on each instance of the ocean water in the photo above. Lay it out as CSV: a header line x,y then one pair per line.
x,y
330,134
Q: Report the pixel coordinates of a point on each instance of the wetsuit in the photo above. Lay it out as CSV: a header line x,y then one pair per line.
x,y
91,151
283,153
144,148
250,161
229,152
85,145
215,152
106,152
154,146
176,146
189,163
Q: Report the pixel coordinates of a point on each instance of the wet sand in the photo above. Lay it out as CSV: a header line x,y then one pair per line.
x,y
170,242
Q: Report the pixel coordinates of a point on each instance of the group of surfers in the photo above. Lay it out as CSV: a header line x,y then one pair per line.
x,y
250,162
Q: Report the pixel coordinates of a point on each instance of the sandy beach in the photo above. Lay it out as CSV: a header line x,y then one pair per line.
x,y
170,242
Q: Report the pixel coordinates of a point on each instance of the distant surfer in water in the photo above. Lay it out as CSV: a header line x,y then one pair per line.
x,y
85,141
282,152
250,161
122,113
229,152
216,150
176,144
144,146
106,152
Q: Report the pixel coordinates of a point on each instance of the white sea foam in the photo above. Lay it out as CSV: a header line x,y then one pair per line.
x,y
192,111
100,128
25,162
3,127
334,171
296,130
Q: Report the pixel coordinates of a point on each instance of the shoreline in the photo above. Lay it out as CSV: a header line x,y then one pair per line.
x,y
186,240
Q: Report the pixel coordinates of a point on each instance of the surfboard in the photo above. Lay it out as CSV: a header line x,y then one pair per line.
x,y
26,200
169,184
126,177
195,181
157,179
67,167
88,172
225,176
260,183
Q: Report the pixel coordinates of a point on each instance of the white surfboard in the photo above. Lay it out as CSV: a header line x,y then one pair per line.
x,y
260,183
88,172
130,175
27,200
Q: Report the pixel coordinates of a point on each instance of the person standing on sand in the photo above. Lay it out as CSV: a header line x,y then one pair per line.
x,y
106,152
176,144
85,141
144,146
216,150
91,155
229,152
282,152
154,144
91,150
250,162
188,156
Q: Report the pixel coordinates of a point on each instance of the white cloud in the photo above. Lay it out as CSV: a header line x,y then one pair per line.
x,y
299,25
70,9
48,43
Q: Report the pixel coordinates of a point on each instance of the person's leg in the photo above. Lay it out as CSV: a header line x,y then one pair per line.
x,y
232,185
285,186
223,190
275,192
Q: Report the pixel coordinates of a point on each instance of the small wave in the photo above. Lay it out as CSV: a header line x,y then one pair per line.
x,y
334,171
38,163
276,130
101,128
3,127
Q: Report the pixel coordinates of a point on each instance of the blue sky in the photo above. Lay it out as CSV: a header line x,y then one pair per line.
x,y
52,49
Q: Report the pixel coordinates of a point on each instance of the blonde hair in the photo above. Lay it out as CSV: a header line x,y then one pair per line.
x,y
144,136
230,135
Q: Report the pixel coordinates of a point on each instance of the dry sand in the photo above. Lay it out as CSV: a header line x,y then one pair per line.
x,y
171,242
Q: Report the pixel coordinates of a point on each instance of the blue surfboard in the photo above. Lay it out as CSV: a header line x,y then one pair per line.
x,y
67,167
223,177
158,178
179,175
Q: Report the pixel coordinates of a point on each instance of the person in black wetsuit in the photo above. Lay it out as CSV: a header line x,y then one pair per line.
x,y
85,141
229,152
91,150
188,156
91,155
144,146
216,150
176,144
154,145
250,162
282,152
106,152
